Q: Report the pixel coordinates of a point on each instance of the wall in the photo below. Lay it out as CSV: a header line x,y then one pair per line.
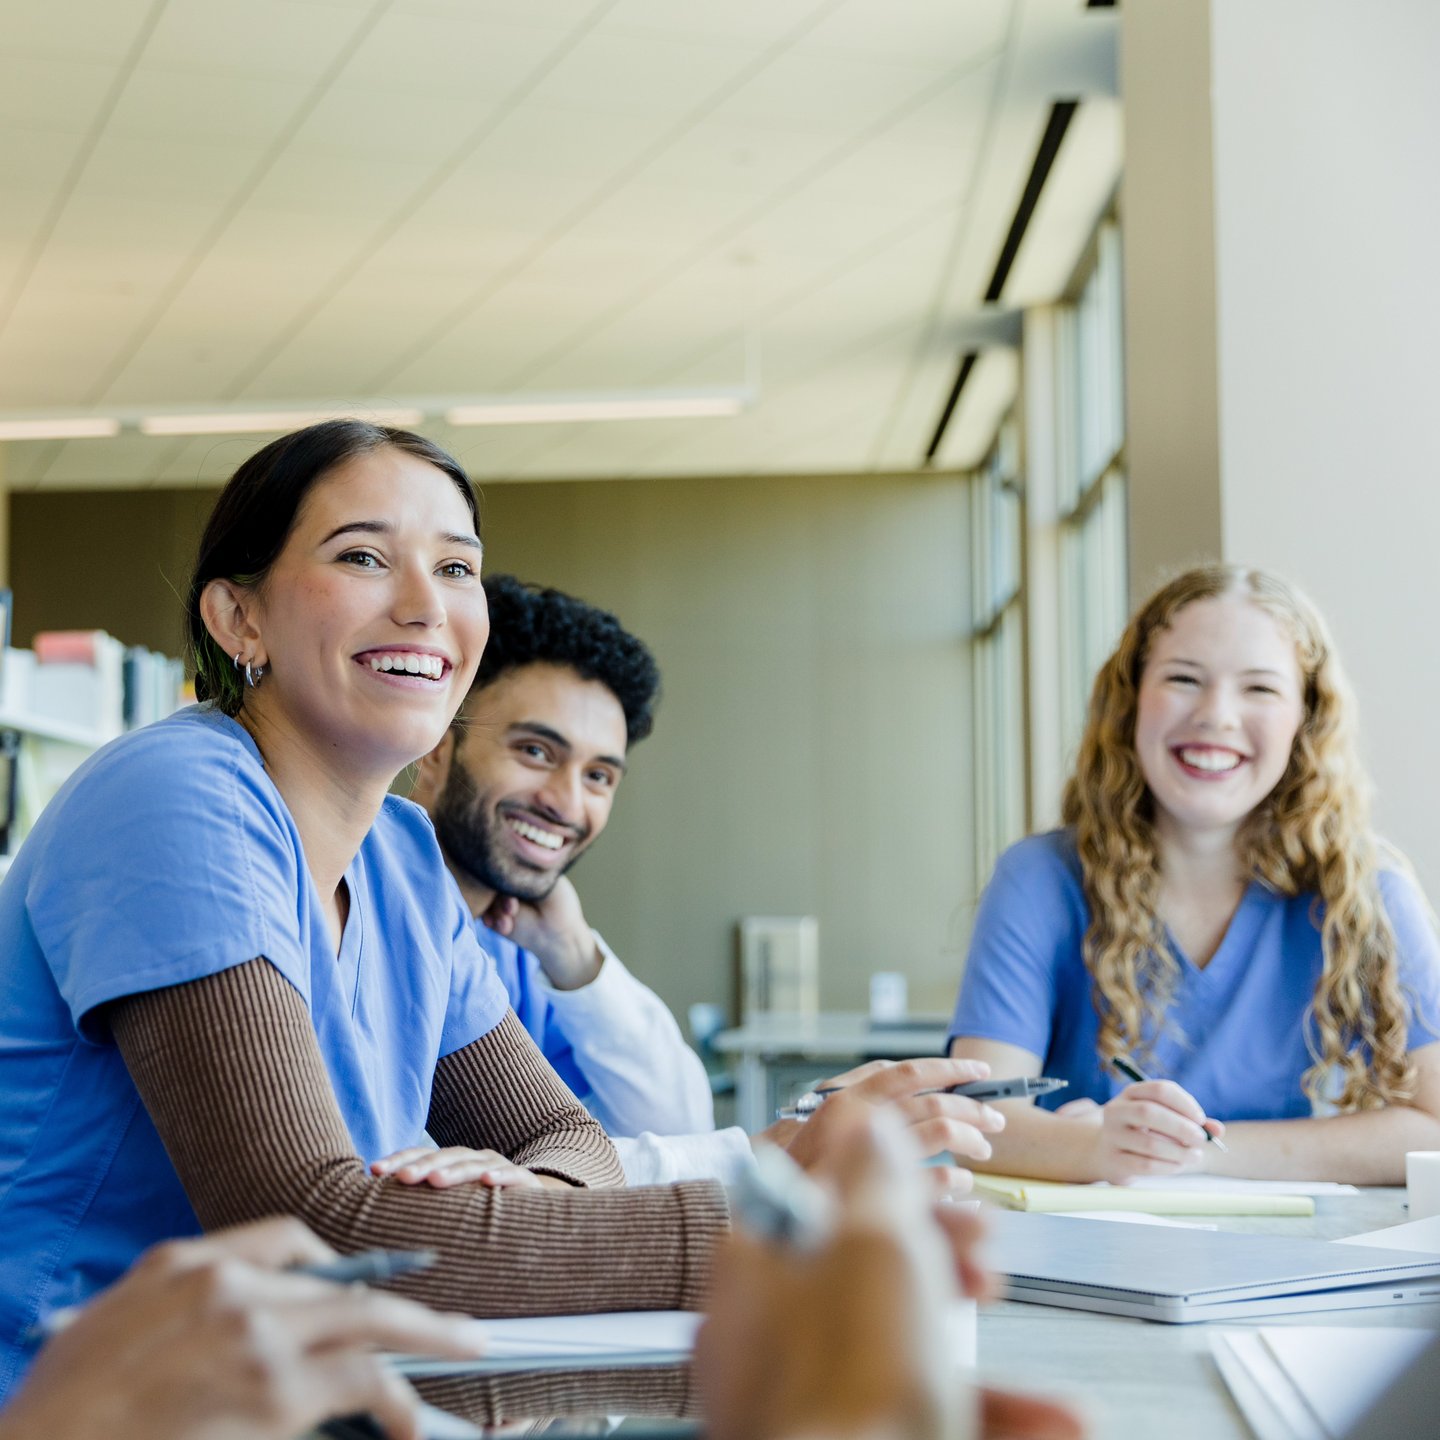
x,y
1327,208
1322,210
116,560
812,752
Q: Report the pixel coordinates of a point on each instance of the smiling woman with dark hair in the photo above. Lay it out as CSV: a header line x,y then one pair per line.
x,y
235,969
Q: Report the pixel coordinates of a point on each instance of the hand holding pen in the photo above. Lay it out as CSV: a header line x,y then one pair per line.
x,y
233,1333
1152,1127
919,1093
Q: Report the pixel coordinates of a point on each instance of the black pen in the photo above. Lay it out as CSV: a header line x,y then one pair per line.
x,y
1018,1088
368,1267
1131,1071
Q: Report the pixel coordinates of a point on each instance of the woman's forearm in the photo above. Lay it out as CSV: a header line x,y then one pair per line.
x,y
232,1076
499,1093
1364,1148
1041,1145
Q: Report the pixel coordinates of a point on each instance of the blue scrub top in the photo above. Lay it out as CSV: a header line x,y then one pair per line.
x,y
519,973
1234,1034
169,856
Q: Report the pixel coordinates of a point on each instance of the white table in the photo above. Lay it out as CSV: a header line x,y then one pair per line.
x,y
1135,1378
770,1049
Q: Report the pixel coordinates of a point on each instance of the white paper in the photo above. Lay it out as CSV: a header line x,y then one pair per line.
x,y
1136,1217
1422,1235
570,1342
1269,1402
1342,1372
1240,1187
1309,1382
442,1425
621,1332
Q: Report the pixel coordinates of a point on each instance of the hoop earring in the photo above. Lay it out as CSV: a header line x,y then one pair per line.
x,y
253,677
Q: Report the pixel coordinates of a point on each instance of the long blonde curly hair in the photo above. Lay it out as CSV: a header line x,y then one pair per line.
x,y
1310,834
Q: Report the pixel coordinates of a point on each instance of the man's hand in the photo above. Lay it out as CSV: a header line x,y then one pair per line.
x,y
209,1339
554,931
937,1124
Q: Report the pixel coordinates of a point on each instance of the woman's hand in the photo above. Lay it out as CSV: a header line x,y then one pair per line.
x,y
1150,1128
849,1340
210,1339
458,1165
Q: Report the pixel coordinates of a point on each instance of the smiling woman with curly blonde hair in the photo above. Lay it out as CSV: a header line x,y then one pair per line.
x,y
1218,911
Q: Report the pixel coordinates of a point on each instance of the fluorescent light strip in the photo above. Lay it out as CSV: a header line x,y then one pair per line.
x,y
541,410
560,412
77,427
260,421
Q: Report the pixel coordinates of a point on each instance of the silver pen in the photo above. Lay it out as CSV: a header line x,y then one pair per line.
x,y
1016,1089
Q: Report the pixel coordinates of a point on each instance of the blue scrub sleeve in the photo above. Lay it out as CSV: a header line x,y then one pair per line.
x,y
1008,992
478,999
1419,951
168,863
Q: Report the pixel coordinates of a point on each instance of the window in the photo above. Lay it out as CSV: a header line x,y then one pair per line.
x,y
998,651
1091,479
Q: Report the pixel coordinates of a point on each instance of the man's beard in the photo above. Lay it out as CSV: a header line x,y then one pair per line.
x,y
474,839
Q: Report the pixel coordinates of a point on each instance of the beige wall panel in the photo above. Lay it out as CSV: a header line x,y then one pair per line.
x,y
812,750
116,560
1172,440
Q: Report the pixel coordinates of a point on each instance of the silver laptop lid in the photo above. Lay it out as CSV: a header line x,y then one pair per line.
x,y
1169,1265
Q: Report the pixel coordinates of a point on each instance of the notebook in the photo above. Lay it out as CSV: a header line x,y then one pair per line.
x,y
1051,1197
1182,1276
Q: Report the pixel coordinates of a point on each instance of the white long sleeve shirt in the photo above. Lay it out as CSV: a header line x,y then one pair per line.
x,y
617,1046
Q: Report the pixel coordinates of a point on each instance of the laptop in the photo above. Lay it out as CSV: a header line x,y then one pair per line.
x,y
1179,1276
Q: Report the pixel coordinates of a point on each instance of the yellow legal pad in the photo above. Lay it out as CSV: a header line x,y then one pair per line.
x,y
1046,1197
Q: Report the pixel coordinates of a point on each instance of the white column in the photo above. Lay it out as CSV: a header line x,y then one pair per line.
x,y
1321,459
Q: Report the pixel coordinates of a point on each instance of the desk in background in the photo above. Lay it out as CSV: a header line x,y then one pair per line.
x,y
777,1056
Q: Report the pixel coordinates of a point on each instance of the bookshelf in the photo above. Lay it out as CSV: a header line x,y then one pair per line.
x,y
63,732
59,707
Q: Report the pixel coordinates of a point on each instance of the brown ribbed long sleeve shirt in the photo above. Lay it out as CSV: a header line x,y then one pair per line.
x,y
231,1073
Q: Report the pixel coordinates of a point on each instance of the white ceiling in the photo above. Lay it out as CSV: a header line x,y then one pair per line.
x,y
240,202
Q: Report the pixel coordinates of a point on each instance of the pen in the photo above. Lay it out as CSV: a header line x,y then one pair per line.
x,y
369,1267
1131,1071
1015,1089
776,1200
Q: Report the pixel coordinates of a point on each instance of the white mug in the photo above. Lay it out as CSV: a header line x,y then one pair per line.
x,y
1422,1183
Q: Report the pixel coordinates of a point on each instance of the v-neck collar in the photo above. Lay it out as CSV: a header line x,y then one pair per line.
x,y
1236,943
347,957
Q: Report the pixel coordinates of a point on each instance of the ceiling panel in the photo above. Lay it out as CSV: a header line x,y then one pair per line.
x,y
640,74
467,51
48,92
160,104
259,40
73,30
330,199
914,32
